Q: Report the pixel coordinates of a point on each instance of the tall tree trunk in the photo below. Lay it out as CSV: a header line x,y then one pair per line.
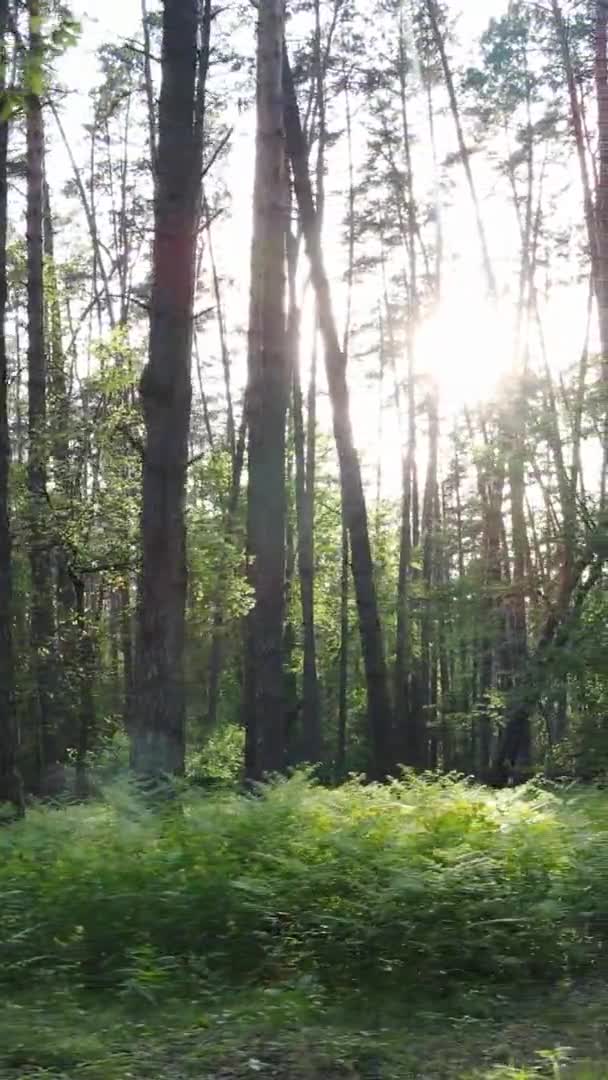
x,y
294,752
266,406
304,484
601,83
86,680
517,601
596,211
149,87
216,652
378,701
430,515
165,388
42,624
344,546
59,444
344,650
10,781
409,690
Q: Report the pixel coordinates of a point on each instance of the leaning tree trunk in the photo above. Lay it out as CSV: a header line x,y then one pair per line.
x,y
159,694
48,770
10,783
355,511
267,395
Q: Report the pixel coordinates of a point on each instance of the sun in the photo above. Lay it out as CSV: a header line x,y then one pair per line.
x,y
467,347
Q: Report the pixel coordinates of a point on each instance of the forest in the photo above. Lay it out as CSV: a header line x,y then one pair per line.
x,y
304,539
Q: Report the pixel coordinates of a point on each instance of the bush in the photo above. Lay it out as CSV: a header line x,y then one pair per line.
x,y
421,884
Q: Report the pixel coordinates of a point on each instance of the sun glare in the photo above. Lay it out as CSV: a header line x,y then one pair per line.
x,y
467,348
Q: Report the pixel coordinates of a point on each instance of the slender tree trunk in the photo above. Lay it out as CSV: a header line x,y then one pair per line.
x,y
304,484
149,86
517,601
293,753
42,623
86,679
217,638
59,445
344,546
10,782
266,405
430,514
344,650
165,388
601,83
378,701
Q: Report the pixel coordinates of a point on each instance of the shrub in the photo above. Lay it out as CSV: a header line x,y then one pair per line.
x,y
420,884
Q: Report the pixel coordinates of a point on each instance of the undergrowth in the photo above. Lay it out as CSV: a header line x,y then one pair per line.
x,y
419,887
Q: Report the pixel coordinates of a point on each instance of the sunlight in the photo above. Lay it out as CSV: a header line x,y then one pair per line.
x,y
467,357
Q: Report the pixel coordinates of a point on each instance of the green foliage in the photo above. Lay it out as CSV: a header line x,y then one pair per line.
x,y
221,759
418,886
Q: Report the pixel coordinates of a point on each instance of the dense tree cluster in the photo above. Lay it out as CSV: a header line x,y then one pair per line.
x,y
302,545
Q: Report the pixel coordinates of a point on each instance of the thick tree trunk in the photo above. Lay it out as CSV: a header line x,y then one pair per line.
x,y
378,701
42,623
10,781
267,395
165,387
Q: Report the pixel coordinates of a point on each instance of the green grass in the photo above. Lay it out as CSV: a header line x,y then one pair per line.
x,y
423,929
289,1035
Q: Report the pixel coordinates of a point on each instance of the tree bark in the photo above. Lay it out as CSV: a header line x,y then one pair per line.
x,y
378,702
267,396
165,389
10,782
49,771
601,284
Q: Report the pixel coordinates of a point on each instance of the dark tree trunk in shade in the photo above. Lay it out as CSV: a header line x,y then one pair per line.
x,y
159,693
378,701
49,770
267,395
10,781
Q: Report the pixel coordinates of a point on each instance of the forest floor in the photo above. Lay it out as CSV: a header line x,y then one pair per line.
x,y
280,1034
